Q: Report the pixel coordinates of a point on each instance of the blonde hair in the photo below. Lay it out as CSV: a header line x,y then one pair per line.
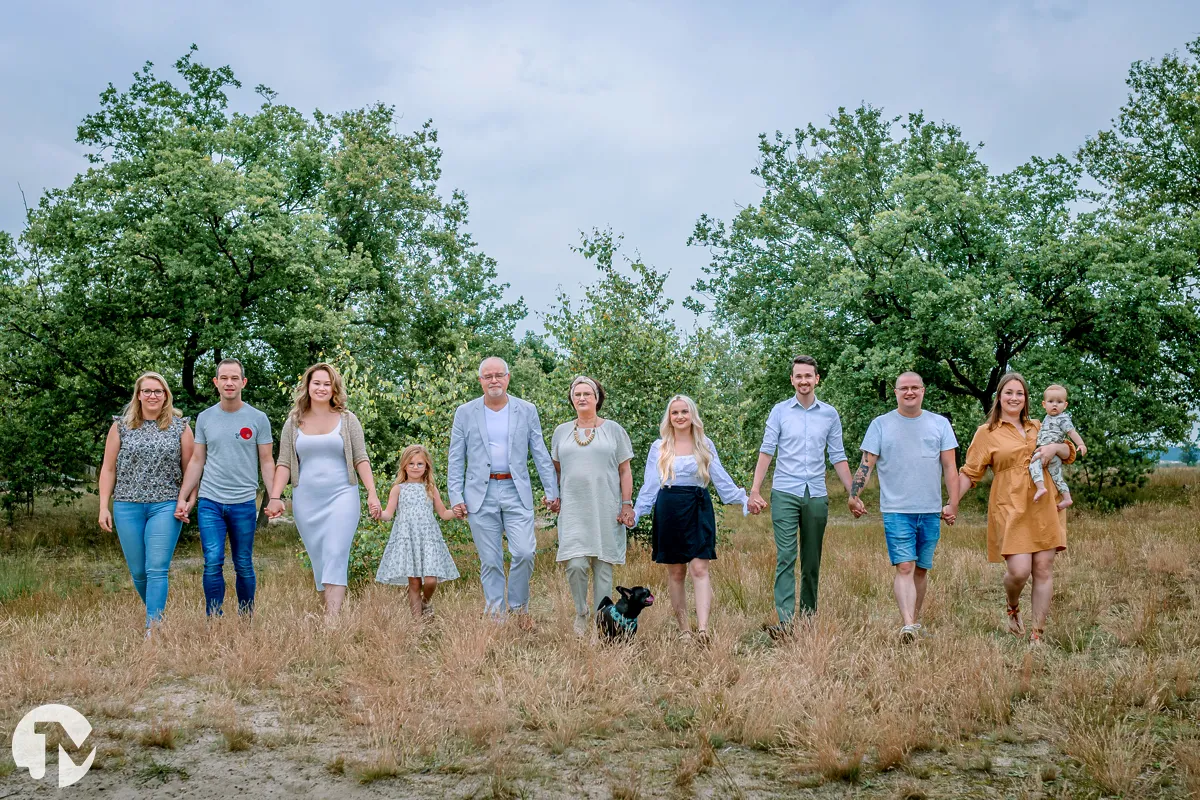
x,y
132,413
1055,387
406,456
301,402
993,417
666,453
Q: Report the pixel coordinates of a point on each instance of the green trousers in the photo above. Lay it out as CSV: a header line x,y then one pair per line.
x,y
807,515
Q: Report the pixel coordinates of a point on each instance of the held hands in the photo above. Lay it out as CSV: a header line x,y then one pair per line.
x,y
857,506
756,502
274,509
182,509
949,514
552,505
373,506
460,511
626,516
750,508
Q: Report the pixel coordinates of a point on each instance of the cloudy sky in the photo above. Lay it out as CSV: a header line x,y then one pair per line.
x,y
561,117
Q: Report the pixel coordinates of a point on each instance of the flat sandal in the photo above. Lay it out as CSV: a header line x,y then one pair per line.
x,y
1014,613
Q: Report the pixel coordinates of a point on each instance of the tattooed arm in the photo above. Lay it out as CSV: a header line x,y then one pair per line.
x,y
861,476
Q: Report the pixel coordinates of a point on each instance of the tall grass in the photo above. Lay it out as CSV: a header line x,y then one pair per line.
x,y
1109,705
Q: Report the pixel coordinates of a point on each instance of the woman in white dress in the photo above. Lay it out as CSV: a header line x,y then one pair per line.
x,y
323,451
679,467
595,485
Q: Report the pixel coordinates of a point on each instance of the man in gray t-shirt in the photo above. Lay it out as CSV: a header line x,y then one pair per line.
x,y
915,452
232,466
233,449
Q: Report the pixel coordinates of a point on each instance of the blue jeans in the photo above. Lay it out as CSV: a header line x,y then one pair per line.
x,y
216,520
912,537
148,533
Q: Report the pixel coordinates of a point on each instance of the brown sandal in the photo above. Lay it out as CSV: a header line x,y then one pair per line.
x,y
1015,626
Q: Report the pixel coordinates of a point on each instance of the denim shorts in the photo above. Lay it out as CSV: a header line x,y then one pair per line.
x,y
912,537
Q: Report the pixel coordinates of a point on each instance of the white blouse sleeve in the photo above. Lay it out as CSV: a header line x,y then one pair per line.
x,y
650,485
729,491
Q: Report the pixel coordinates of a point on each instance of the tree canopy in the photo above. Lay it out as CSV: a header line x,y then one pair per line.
x,y
881,243
199,233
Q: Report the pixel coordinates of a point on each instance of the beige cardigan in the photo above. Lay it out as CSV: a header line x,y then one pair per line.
x,y
352,438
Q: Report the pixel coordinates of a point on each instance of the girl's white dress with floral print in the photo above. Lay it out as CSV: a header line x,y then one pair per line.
x,y
415,548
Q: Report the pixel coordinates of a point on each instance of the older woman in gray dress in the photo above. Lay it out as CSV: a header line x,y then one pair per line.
x,y
591,456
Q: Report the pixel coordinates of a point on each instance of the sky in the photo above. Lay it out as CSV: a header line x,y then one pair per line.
x,y
557,118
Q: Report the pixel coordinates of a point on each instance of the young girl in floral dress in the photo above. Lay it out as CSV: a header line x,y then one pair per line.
x,y
416,553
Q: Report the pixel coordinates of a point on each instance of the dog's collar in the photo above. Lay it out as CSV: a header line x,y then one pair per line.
x,y
622,620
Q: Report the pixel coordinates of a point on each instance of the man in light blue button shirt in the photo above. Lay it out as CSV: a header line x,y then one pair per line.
x,y
803,430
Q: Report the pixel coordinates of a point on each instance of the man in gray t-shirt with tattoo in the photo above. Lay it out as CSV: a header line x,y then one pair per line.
x,y
915,452
233,449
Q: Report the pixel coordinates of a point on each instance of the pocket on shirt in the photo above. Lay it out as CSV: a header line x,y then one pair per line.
x,y
931,446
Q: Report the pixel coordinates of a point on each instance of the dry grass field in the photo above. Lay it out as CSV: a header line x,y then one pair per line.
x,y
379,706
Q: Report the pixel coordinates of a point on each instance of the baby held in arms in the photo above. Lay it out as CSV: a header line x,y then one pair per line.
x,y
1056,427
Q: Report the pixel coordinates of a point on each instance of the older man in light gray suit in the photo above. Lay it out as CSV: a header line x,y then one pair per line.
x,y
491,442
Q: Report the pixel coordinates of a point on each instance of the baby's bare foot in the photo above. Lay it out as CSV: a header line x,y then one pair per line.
x,y
1039,493
1065,502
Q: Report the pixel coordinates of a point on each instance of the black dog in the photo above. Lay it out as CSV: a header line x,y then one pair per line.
x,y
618,621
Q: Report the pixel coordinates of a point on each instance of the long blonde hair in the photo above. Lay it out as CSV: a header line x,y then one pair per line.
x,y
407,455
666,453
132,413
301,402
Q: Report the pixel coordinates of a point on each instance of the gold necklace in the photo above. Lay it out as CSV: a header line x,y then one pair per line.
x,y
591,434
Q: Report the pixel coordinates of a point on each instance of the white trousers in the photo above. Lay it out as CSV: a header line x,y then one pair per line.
x,y
504,514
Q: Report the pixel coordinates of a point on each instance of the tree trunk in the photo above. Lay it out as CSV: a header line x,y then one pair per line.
x,y
191,352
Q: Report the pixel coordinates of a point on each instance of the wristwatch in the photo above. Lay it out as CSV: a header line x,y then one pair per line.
x,y
626,502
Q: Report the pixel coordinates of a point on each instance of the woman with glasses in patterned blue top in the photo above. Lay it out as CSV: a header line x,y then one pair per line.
x,y
147,449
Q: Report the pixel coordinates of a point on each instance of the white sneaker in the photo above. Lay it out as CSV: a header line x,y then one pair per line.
x,y
581,625
909,633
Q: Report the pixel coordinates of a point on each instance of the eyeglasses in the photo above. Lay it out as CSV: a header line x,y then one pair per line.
x,y
152,392
494,376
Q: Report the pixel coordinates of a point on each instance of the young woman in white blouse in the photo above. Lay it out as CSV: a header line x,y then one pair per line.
x,y
679,467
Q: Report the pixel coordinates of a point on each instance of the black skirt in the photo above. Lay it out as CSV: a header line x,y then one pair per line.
x,y
684,525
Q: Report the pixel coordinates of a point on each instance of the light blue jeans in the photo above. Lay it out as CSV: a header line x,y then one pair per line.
x,y
148,534
503,513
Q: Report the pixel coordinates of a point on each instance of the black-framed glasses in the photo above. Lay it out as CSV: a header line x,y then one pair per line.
x,y
152,392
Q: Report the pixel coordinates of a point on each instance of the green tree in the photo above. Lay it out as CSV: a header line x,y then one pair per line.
x,y
199,233
1149,161
883,244
1147,164
1189,453
621,333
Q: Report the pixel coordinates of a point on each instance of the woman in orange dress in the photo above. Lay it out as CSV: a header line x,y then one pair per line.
x,y
1024,533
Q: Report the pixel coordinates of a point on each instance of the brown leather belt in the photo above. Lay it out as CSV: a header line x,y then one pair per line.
x,y
501,476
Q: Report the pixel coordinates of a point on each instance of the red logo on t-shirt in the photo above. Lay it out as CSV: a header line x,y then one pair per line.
x,y
245,433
